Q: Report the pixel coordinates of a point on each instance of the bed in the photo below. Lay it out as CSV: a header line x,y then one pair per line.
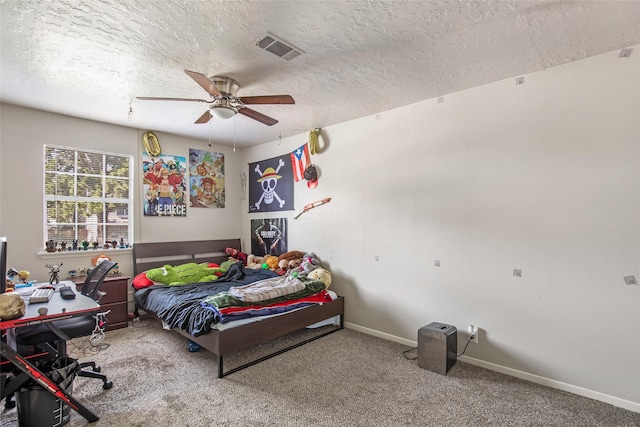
x,y
223,339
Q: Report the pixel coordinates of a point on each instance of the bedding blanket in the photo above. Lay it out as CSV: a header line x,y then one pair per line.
x,y
179,307
263,290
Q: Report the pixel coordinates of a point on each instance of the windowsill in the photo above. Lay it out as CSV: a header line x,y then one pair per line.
x,y
88,253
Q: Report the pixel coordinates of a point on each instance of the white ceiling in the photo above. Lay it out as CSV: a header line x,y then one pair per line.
x,y
90,59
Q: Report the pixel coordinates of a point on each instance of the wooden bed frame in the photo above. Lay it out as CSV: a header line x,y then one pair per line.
x,y
221,343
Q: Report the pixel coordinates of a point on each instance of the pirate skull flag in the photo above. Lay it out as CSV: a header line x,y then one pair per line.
x,y
271,185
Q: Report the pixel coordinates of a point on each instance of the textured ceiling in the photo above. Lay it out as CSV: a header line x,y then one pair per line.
x,y
90,59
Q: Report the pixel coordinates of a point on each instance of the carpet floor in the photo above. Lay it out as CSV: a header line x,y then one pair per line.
x,y
344,379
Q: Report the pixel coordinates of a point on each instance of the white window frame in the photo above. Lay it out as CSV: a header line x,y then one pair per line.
x,y
129,202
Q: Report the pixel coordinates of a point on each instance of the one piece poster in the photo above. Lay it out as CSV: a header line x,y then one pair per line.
x,y
271,185
206,179
164,185
269,236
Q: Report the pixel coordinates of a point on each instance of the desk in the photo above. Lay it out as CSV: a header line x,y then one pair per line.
x,y
57,309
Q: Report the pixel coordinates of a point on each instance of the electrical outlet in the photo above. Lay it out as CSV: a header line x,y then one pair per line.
x,y
473,331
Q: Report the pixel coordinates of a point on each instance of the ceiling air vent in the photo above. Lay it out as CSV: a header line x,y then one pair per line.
x,y
278,47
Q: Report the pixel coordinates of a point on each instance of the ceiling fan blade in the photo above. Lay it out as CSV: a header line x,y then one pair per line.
x,y
153,98
268,99
204,118
204,81
257,116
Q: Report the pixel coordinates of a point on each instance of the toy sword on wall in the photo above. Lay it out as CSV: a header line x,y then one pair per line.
x,y
310,206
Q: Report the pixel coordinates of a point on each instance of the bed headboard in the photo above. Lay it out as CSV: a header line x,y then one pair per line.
x,y
157,254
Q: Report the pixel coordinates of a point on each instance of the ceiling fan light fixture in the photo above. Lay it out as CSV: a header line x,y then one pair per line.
x,y
222,112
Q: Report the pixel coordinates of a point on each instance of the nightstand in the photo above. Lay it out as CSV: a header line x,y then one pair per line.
x,y
116,299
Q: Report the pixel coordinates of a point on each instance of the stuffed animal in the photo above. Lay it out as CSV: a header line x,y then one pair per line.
x,y
290,260
255,262
309,263
271,262
322,275
183,274
291,255
237,255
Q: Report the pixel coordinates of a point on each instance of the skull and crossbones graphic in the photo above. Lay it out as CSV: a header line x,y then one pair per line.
x,y
269,181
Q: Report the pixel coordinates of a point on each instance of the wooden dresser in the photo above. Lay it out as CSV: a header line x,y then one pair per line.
x,y
116,299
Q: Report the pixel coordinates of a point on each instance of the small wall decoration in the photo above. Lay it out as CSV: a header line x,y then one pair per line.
x,y
150,143
206,179
269,236
164,185
271,185
300,159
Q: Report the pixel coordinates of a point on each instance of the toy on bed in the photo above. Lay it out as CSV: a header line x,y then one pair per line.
x,y
178,275
255,262
322,275
290,260
309,263
235,254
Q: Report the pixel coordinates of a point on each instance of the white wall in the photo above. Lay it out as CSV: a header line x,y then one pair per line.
x,y
542,177
24,132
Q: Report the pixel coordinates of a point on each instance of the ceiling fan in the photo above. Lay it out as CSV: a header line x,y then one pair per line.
x,y
224,103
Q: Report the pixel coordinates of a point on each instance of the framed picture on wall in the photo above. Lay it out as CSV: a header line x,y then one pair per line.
x,y
206,179
271,185
164,185
269,236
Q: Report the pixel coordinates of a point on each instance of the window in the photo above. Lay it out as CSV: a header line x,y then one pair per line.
x,y
87,196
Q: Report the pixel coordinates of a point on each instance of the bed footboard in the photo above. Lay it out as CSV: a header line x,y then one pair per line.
x,y
228,341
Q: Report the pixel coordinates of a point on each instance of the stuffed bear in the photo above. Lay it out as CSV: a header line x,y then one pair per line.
x,y
255,262
322,275
183,274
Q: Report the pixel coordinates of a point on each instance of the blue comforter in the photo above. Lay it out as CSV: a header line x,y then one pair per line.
x,y
179,306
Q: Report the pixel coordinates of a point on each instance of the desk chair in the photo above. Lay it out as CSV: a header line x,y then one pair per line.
x,y
40,336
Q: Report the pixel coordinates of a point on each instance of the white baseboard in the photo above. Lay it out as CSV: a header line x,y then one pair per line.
x,y
559,385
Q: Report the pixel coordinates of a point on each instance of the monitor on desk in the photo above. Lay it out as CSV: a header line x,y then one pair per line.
x,y
3,264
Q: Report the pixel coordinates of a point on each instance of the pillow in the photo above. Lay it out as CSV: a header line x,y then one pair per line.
x,y
141,281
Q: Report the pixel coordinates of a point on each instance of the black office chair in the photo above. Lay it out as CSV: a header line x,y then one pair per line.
x,y
55,345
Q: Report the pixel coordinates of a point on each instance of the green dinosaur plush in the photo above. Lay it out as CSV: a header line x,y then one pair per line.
x,y
183,274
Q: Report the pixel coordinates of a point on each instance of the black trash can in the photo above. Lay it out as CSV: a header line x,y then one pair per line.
x,y
39,408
